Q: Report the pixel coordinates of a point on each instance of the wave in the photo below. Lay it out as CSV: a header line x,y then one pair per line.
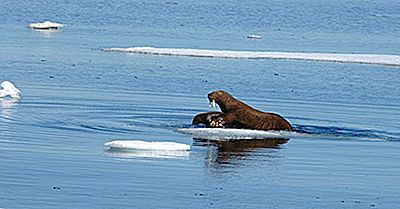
x,y
381,59
221,134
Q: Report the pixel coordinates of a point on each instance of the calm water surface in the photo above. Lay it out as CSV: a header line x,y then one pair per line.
x,y
76,98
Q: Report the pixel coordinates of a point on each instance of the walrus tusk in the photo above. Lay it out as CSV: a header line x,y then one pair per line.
x,y
212,104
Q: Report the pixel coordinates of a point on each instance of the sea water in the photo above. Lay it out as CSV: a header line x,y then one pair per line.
x,y
77,97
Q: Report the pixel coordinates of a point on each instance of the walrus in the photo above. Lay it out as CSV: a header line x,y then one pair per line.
x,y
236,114
208,119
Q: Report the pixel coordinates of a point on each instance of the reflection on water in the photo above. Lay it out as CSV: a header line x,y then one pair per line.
x,y
132,153
47,33
6,107
226,152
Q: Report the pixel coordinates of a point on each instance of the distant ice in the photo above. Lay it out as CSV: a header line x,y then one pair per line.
x,y
381,59
45,25
253,36
9,89
143,145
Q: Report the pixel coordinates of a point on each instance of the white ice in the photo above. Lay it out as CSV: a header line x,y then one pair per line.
x,y
118,153
233,134
224,134
143,145
382,59
253,36
9,89
45,25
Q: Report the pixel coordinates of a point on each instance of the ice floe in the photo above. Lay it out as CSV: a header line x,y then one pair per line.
x,y
253,36
9,89
144,145
226,134
382,59
46,25
234,134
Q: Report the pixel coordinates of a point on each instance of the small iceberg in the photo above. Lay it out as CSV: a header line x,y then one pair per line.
x,y
47,25
9,89
253,36
143,145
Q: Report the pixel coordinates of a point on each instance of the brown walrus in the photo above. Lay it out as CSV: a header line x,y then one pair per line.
x,y
236,114
212,120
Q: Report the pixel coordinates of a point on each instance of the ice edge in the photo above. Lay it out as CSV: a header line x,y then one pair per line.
x,y
380,59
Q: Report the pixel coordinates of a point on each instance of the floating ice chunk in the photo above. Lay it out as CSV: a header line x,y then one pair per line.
x,y
143,145
225,134
45,25
253,36
382,59
9,89
234,134
129,153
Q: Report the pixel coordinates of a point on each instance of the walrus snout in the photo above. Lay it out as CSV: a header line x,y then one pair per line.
x,y
214,98
211,99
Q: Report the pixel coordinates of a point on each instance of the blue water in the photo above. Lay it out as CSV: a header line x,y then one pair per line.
x,y
77,97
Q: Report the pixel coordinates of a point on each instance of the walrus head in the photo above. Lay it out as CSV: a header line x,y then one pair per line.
x,y
223,99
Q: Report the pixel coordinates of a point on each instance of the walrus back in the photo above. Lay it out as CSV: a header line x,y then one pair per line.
x,y
274,121
255,119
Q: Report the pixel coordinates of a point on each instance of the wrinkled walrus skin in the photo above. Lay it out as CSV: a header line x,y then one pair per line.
x,y
236,114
